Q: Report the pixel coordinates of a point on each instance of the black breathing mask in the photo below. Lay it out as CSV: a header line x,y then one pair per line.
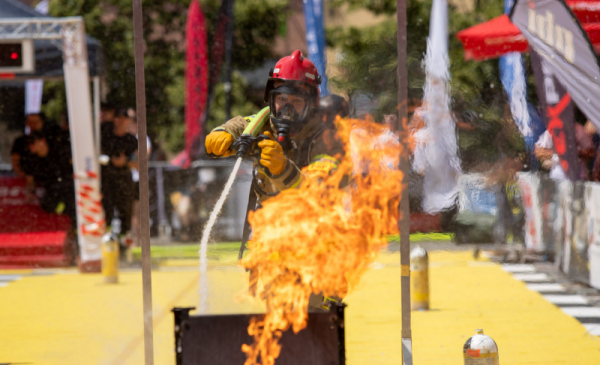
x,y
290,108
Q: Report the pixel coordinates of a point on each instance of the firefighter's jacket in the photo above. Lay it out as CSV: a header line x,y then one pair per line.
x,y
317,145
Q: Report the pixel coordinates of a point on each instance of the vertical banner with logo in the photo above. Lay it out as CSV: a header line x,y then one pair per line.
x,y
315,38
196,78
559,115
512,75
554,33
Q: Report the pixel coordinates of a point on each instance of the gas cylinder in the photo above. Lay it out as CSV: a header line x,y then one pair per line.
x,y
480,350
419,279
110,258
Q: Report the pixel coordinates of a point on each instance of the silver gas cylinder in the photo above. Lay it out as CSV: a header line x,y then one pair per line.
x,y
480,350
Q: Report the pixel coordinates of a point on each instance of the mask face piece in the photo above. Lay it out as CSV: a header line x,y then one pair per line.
x,y
288,119
290,106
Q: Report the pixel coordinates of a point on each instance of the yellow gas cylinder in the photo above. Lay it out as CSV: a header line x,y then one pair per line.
x,y
419,279
110,258
480,350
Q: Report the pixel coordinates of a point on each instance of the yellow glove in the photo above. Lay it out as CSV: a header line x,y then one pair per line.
x,y
272,156
218,143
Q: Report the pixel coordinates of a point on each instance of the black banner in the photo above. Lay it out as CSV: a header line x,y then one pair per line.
x,y
558,114
555,34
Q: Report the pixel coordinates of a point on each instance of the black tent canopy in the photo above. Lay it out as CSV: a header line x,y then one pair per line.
x,y
48,57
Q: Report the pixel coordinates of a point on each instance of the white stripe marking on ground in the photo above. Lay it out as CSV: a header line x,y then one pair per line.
x,y
4,283
481,263
548,287
9,277
592,328
582,312
566,299
532,277
518,268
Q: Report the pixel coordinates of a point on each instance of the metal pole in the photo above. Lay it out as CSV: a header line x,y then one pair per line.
x,y
228,60
140,98
96,82
404,221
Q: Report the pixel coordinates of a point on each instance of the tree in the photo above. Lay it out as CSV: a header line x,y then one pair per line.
x,y
369,68
256,23
370,61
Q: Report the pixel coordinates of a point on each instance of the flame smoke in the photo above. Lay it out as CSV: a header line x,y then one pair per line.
x,y
320,238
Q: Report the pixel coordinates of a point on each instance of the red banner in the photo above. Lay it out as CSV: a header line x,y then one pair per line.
x,y
196,78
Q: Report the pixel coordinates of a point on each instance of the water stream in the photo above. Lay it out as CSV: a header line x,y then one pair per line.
x,y
436,150
203,308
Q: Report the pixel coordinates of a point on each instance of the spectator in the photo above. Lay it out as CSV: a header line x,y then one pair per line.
x,y
54,173
20,155
549,161
117,184
585,150
23,161
107,117
509,218
158,154
107,113
64,122
544,151
135,176
591,131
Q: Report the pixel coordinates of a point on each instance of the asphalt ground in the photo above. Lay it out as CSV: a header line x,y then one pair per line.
x,y
64,317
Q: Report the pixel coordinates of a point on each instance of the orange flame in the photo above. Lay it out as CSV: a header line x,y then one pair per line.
x,y
321,238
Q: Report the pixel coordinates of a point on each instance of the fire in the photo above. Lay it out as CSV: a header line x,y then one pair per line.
x,y
321,238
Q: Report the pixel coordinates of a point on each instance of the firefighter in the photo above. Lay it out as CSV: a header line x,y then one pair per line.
x,y
298,135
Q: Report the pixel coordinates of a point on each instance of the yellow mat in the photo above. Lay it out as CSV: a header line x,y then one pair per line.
x,y
75,319
465,295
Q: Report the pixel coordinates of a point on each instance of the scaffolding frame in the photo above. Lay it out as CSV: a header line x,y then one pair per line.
x,y
68,35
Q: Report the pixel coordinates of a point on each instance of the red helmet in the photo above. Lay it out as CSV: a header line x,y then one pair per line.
x,y
295,69
294,73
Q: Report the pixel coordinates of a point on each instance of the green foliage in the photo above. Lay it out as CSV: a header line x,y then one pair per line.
x,y
240,105
376,6
256,23
174,137
54,93
370,55
369,68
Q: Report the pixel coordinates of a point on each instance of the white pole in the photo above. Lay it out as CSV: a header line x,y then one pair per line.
x,y
85,160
